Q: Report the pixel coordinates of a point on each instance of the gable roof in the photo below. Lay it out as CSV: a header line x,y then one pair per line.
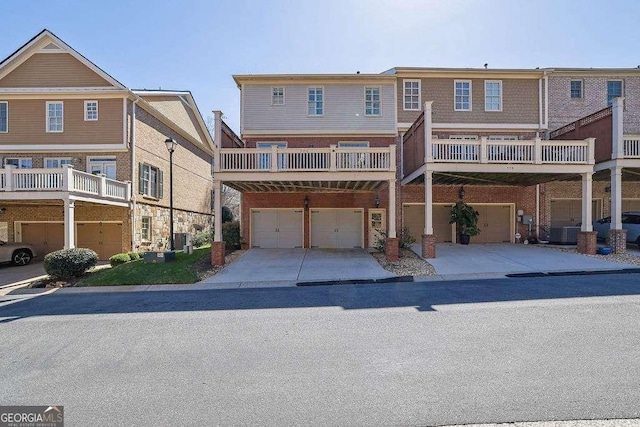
x,y
47,41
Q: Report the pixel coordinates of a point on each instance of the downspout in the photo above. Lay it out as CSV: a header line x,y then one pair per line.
x,y
133,168
538,211
546,103
540,102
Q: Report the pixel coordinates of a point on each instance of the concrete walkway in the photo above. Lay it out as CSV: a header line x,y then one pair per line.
x,y
264,267
498,259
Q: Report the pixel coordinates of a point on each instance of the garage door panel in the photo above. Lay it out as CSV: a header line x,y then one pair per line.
x,y
336,228
111,239
276,228
568,212
630,205
323,226
103,238
413,218
349,226
44,237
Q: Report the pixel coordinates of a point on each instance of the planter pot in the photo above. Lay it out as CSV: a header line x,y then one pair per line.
x,y
464,239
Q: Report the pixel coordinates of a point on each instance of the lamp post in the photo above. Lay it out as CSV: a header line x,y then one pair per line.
x,y
171,147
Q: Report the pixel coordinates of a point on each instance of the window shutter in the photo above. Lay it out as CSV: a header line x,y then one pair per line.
x,y
160,184
140,178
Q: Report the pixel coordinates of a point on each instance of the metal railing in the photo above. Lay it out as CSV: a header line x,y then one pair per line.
x,y
63,179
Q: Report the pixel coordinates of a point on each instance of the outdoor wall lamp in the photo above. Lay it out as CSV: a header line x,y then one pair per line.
x,y
377,201
306,203
461,192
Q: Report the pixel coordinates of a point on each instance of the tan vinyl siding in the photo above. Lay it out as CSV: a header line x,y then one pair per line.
x,y
519,102
179,112
343,109
27,123
52,70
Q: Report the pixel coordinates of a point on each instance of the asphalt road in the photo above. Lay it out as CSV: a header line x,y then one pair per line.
x,y
407,354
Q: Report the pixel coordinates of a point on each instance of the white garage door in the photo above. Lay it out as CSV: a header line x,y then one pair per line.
x,y
336,228
276,228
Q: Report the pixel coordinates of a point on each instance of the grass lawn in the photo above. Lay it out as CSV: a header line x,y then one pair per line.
x,y
183,270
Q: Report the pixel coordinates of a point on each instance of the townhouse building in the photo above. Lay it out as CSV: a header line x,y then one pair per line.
x,y
84,161
318,163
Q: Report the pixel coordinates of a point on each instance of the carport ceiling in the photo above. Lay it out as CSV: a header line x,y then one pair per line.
x,y
516,179
307,186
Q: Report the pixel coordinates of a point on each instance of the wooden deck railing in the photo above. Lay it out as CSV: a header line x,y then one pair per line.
x,y
63,179
331,159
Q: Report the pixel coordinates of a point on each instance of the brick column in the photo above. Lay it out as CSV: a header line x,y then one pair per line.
x,y
587,242
392,249
617,239
217,253
428,246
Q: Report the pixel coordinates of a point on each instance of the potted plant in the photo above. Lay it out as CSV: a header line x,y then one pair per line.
x,y
466,220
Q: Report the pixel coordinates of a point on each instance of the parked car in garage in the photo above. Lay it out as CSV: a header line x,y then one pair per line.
x,y
17,253
630,222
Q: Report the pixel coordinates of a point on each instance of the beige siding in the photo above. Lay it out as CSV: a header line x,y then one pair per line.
x,y
519,102
179,112
52,70
192,167
27,123
343,110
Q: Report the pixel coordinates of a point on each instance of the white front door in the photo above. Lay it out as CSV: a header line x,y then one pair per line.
x,y
102,165
336,228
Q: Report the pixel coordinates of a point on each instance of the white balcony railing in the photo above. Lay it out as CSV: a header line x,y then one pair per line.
x,y
63,179
632,148
534,151
331,159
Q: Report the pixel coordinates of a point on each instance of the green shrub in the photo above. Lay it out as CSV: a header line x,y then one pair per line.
x,y
227,214
201,239
134,256
405,240
68,263
231,234
118,259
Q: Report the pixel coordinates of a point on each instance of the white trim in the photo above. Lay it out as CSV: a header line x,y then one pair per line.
x,y
59,159
273,88
404,105
379,101
370,211
4,161
316,94
7,104
124,120
470,95
485,96
86,103
315,132
22,148
492,126
47,117
464,137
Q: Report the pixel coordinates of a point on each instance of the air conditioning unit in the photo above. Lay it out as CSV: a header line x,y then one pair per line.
x,y
567,235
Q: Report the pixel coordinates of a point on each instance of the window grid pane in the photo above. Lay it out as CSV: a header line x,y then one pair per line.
x,y
463,96
576,89
492,96
315,101
55,117
614,90
91,110
4,117
277,96
411,95
372,101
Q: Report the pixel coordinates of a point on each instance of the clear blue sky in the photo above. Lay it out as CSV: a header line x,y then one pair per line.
x,y
198,45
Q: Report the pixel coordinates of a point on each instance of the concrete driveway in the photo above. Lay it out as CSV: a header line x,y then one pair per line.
x,y
300,265
10,273
506,258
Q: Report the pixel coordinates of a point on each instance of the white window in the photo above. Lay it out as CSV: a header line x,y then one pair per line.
x,y
576,89
463,151
90,111
55,163
503,138
277,96
465,137
316,101
19,162
150,181
102,165
265,159
145,229
411,94
353,144
55,116
493,95
462,95
4,117
353,160
614,90
371,101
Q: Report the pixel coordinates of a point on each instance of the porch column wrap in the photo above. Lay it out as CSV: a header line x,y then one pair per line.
x,y
69,224
217,253
217,211
587,242
616,198
392,208
429,246
617,240
428,203
392,249
587,195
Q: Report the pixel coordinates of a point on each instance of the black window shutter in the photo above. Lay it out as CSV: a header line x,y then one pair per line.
x,y
160,184
140,178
